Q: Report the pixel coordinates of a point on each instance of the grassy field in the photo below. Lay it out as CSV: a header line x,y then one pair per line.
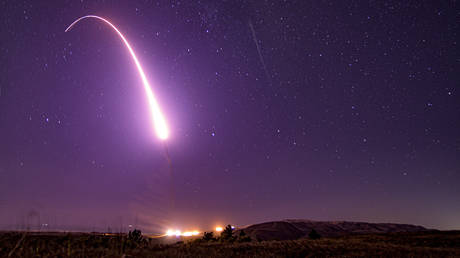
x,y
426,244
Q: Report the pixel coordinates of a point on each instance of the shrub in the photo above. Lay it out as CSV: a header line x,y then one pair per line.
x,y
314,235
227,234
135,239
243,237
135,235
208,236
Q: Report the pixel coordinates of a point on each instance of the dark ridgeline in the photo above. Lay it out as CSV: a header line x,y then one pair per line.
x,y
297,228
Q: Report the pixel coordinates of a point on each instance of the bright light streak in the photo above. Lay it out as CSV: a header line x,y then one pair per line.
x,y
159,121
219,229
191,233
187,234
178,233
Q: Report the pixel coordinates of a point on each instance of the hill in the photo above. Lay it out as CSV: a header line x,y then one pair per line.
x,y
296,229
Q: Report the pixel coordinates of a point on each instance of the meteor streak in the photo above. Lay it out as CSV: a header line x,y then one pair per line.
x,y
159,122
259,52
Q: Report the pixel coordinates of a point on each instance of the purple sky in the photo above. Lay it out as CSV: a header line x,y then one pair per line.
x,y
325,110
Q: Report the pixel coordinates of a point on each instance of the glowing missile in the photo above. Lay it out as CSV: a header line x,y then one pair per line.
x,y
159,121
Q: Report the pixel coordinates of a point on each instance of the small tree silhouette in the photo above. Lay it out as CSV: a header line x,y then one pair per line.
x,y
243,237
208,236
314,235
135,236
227,234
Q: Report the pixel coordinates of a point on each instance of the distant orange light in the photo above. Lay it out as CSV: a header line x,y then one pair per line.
x,y
219,229
191,233
177,233
187,234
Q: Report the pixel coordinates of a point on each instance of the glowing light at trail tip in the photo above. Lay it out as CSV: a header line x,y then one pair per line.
x,y
159,121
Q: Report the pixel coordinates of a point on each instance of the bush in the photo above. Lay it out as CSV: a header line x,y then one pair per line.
x,y
135,235
314,235
208,236
243,237
135,239
227,234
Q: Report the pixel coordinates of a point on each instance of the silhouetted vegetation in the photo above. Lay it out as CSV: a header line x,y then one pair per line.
x,y
314,235
227,234
135,238
208,236
242,237
422,244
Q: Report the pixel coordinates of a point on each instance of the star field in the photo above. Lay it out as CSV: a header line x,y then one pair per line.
x,y
327,110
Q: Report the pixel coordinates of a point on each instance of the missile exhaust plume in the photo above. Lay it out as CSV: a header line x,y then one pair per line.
x,y
159,122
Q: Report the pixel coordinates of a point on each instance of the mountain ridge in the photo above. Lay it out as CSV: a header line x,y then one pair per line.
x,y
291,229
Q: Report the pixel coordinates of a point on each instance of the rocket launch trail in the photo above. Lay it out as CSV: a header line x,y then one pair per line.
x,y
159,122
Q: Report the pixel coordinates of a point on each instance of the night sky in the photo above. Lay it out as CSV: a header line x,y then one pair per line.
x,y
324,110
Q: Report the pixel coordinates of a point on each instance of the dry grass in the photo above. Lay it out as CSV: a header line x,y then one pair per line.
x,y
426,244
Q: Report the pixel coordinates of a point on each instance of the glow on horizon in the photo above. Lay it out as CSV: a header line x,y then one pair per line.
x,y
178,233
159,122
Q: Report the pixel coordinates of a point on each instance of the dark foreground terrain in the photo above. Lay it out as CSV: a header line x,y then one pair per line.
x,y
414,244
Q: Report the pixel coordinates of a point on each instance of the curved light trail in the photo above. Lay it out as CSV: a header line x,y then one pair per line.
x,y
159,121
